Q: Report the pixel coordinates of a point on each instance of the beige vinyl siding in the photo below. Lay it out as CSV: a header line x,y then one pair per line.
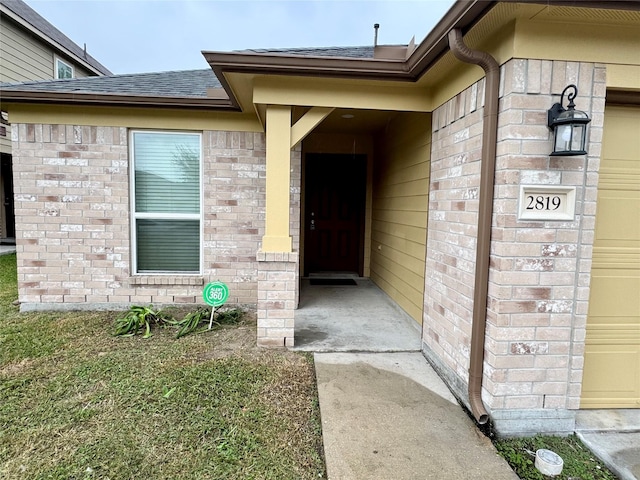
x,y
25,57
5,142
399,216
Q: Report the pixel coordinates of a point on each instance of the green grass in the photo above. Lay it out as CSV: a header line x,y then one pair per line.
x,y
579,462
77,402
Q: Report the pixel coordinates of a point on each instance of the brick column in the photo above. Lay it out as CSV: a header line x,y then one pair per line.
x,y
539,270
277,298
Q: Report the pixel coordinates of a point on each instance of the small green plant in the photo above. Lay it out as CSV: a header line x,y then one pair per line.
x,y
579,462
191,321
229,317
138,318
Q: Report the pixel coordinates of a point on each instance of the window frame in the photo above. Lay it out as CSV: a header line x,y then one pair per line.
x,y
56,62
163,216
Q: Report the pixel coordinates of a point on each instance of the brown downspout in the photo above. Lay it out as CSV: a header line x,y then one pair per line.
x,y
487,181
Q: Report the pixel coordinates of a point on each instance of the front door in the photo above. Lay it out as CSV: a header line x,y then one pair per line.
x,y
334,213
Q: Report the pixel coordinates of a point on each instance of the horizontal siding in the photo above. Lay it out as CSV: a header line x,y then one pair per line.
x,y
399,216
25,57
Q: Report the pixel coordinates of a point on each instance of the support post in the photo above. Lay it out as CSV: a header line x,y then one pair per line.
x,y
278,143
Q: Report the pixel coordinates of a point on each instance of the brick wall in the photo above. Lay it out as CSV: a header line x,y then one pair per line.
x,y
73,221
540,270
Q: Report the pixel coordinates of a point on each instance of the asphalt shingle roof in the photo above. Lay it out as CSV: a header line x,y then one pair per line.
x,y
348,52
39,23
187,84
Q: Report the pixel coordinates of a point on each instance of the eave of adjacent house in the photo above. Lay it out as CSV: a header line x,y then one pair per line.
x,y
50,41
65,98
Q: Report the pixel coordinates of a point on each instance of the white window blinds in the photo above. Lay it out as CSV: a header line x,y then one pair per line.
x,y
166,202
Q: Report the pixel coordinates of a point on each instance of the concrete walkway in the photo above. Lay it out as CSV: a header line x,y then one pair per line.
x,y
386,415
7,249
614,436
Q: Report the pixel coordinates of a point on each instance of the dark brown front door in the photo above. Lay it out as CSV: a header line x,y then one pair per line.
x,y
334,213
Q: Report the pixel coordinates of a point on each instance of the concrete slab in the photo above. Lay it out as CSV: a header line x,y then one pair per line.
x,y
7,249
357,318
389,416
613,435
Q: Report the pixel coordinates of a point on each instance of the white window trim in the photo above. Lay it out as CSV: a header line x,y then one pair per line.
x,y
56,61
169,216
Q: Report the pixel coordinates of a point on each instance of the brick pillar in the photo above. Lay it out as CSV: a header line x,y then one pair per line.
x,y
277,297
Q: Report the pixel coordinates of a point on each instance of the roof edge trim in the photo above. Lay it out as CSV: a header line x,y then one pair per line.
x,y
461,15
115,100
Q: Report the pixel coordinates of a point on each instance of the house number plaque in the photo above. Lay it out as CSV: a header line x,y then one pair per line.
x,y
546,202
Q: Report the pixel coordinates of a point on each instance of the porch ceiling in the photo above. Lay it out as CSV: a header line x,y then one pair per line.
x,y
350,121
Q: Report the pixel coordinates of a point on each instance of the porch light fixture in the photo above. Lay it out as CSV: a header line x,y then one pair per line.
x,y
569,126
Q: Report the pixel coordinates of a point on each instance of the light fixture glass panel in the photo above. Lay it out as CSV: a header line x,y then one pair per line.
x,y
577,137
563,138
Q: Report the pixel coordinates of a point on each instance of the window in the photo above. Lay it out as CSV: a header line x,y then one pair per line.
x,y
63,69
166,202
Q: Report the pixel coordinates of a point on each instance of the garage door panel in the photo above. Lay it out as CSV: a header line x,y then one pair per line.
x,y
612,376
608,226
612,348
614,297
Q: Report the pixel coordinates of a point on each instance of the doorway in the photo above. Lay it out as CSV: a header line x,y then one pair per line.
x,y
334,213
7,217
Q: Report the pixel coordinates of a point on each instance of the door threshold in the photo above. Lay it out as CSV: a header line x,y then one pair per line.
x,y
333,275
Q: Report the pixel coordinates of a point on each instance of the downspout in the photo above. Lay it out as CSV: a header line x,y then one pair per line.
x,y
487,181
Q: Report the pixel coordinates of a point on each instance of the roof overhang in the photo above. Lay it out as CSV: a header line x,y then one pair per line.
x,y
240,73
79,98
237,70
463,15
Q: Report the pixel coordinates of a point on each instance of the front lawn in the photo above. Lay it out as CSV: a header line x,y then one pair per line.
x,y
77,402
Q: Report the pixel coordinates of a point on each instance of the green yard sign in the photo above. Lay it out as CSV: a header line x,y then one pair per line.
x,y
215,294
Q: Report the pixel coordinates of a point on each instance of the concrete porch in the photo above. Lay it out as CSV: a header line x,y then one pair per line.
x,y
352,318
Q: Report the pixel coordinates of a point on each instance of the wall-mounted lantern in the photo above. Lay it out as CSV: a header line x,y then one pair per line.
x,y
569,126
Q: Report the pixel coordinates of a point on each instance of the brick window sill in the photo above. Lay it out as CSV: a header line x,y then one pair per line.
x,y
149,280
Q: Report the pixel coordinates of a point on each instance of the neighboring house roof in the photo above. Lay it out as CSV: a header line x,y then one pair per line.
x,y
176,88
186,88
30,19
188,83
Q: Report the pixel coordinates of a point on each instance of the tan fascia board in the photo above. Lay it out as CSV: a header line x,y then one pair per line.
x,y
48,40
64,98
338,93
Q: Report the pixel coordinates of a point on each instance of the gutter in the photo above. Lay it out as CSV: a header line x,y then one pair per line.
x,y
114,100
487,182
